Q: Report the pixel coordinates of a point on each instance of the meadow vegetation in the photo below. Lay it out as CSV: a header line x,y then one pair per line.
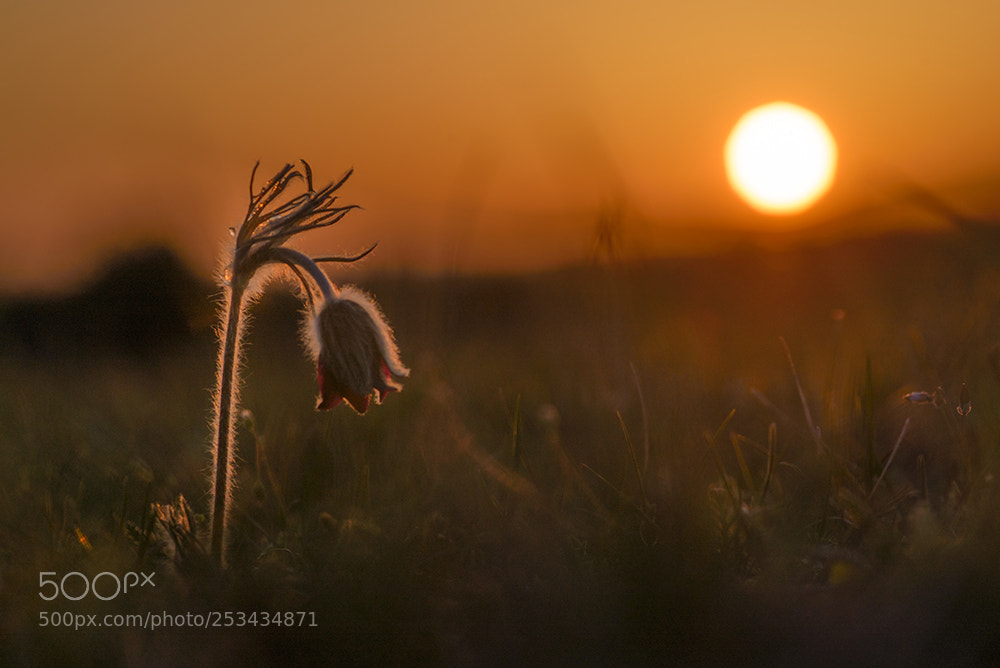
x,y
755,457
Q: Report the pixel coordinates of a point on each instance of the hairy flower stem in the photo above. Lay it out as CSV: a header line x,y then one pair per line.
x,y
225,419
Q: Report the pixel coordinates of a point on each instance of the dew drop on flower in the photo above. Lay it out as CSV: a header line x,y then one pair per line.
x,y
232,231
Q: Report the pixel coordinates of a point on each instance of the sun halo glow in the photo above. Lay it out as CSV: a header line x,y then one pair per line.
x,y
780,158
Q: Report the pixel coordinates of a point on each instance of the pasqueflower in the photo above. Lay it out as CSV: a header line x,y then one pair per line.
x,y
352,344
355,351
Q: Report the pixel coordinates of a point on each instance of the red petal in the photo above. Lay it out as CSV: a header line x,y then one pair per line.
x,y
360,404
326,403
328,398
384,390
385,386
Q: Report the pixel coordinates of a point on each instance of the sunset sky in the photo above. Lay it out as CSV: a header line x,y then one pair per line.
x,y
486,136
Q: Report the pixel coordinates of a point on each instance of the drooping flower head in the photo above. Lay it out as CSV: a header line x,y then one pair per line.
x,y
354,350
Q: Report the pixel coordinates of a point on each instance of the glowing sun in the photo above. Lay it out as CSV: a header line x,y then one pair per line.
x,y
780,158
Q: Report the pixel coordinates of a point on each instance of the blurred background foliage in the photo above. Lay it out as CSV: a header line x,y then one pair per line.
x,y
695,459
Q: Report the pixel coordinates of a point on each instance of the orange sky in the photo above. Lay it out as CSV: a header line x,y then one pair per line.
x,y
485,136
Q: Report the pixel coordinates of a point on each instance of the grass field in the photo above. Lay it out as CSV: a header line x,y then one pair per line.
x,y
712,460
